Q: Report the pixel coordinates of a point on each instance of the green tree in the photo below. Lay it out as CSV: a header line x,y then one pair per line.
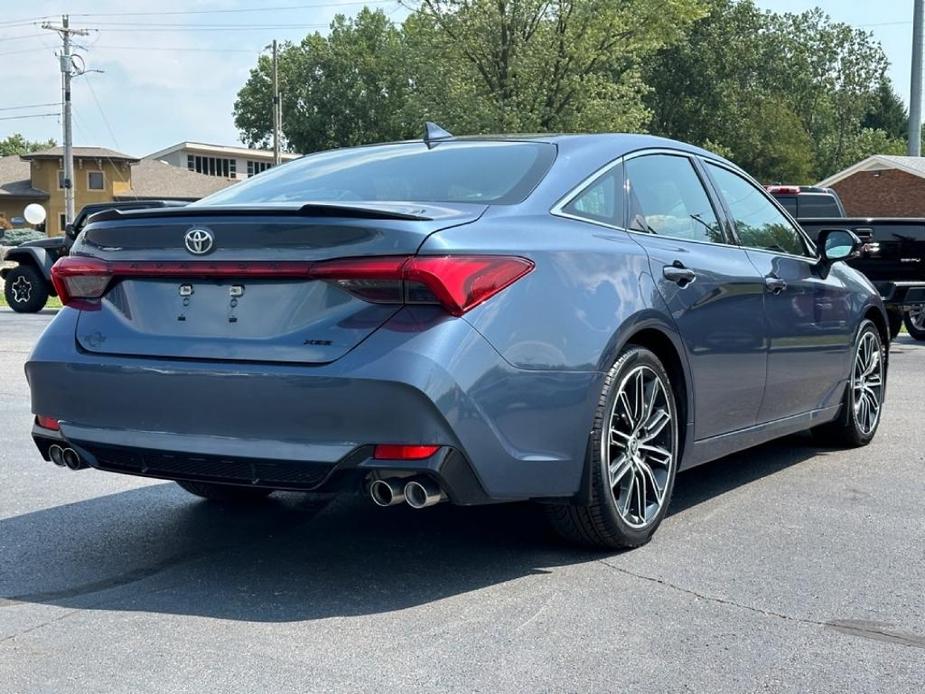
x,y
17,144
539,65
345,89
785,95
472,65
887,112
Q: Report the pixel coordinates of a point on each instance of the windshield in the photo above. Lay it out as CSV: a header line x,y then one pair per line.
x,y
477,172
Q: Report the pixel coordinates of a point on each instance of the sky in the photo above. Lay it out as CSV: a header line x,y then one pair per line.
x,y
167,78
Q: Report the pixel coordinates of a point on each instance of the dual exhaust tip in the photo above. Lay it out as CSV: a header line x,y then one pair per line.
x,y
65,457
418,492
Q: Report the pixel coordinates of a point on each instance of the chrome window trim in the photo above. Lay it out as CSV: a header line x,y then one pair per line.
x,y
559,211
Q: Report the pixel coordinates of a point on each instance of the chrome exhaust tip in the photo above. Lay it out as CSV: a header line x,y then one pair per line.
x,y
72,459
56,453
423,492
386,492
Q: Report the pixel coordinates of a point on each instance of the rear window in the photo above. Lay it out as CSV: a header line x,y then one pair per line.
x,y
789,202
477,172
816,205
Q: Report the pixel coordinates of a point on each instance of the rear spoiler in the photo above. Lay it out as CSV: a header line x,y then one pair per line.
x,y
386,210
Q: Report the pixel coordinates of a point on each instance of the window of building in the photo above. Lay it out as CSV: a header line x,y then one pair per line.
x,y
256,167
62,222
95,180
60,179
212,166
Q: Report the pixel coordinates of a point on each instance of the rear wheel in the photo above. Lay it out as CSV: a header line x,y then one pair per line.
x,y
632,457
860,413
915,322
225,493
25,289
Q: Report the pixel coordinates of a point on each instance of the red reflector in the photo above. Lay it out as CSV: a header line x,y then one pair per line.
x,y
399,452
48,423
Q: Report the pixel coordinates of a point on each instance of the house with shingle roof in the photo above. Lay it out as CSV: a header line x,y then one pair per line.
x,y
100,175
882,185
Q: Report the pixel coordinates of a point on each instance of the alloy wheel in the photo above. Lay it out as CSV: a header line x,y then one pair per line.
x,y
917,317
22,290
640,450
867,383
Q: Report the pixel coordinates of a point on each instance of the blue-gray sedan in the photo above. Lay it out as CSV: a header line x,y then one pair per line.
x,y
569,319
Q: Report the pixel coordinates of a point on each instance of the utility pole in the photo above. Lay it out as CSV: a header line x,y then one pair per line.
x,y
277,118
67,71
915,96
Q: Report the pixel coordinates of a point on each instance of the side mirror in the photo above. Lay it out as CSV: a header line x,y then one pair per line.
x,y
70,232
837,244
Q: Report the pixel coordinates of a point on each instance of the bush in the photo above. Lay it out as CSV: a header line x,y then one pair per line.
x,y
15,237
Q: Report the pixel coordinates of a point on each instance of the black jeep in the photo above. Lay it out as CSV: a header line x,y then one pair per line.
x,y
27,286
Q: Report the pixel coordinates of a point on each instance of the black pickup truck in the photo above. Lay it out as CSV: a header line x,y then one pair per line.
x,y
893,255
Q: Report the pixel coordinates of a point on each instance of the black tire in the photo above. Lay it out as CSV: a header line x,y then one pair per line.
x,y
25,289
225,493
600,523
847,431
895,319
915,323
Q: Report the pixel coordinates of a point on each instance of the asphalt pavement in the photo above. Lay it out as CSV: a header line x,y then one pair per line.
x,y
787,568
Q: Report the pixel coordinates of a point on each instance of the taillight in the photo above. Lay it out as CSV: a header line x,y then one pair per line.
x,y
80,281
783,190
456,282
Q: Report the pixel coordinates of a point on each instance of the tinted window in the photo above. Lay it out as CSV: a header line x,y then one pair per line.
x,y
667,198
601,201
758,222
498,172
818,205
789,202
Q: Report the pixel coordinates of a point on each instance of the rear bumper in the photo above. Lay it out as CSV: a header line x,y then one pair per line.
x,y
422,378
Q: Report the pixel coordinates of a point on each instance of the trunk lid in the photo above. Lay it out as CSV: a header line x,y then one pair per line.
x,y
230,317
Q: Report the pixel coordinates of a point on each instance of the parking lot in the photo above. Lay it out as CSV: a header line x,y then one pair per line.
x,y
785,568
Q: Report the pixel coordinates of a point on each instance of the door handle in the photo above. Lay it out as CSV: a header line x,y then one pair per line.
x,y
677,273
775,284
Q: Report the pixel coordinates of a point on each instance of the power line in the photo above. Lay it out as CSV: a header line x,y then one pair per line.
x,y
17,108
19,37
34,115
168,49
233,11
139,26
26,50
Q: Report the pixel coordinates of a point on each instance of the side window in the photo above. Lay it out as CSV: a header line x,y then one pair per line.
x,y
666,197
602,201
758,223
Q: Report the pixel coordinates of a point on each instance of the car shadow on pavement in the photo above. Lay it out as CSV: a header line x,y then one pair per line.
x,y
298,557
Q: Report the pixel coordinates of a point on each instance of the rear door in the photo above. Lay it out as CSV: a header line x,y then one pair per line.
x,y
712,290
194,301
809,311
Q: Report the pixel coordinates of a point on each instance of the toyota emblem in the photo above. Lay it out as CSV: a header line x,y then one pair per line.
x,y
199,241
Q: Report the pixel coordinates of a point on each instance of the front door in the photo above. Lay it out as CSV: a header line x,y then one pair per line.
x,y
711,289
809,314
